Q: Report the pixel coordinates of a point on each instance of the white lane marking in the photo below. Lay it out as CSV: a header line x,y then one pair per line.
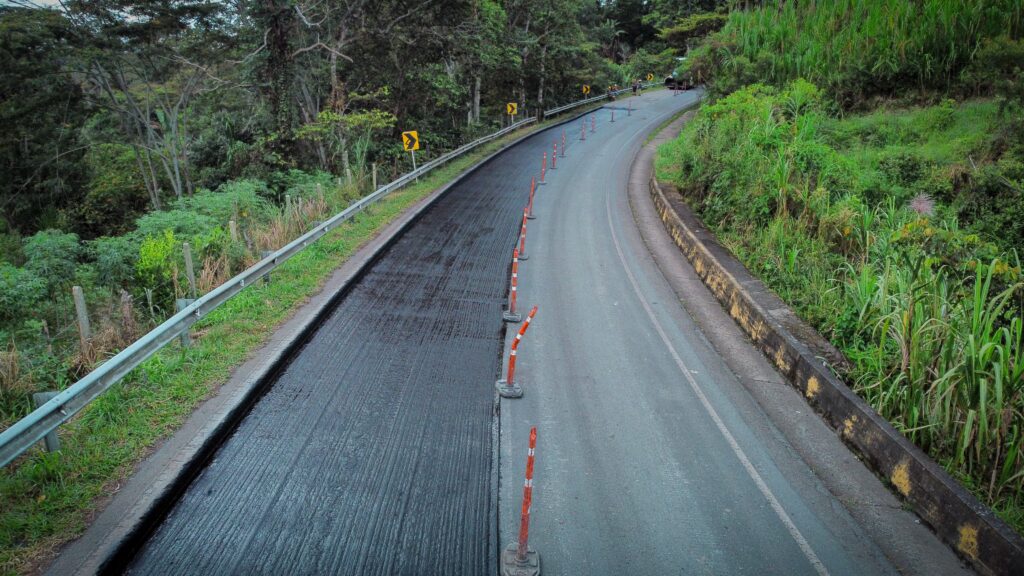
x,y
805,547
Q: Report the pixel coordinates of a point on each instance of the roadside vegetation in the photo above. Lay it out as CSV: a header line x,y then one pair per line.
x,y
866,160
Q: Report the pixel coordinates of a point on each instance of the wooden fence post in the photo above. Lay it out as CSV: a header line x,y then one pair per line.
x,y
84,330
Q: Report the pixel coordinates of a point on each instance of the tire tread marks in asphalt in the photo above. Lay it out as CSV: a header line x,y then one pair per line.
x,y
371,451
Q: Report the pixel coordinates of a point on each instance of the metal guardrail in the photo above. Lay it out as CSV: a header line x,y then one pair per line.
x,y
65,404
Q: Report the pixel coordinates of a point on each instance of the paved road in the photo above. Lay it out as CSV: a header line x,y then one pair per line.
x,y
653,457
372,452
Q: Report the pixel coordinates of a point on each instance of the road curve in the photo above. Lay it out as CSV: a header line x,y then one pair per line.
x,y
652,456
372,451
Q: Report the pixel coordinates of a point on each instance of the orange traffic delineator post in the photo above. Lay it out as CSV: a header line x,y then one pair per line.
x,y
554,155
507,387
518,559
593,124
529,207
511,315
583,130
543,167
563,142
522,235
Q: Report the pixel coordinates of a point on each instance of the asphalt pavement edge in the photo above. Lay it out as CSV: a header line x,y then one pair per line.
x,y
802,355
148,495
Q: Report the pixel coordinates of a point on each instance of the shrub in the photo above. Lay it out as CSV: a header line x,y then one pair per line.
x,y
52,255
115,258
157,266
21,290
245,200
116,193
180,222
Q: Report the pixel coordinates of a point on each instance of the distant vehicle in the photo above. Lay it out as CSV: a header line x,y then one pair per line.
x,y
681,83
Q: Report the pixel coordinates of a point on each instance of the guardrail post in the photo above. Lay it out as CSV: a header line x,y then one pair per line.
x,y
82,314
185,337
51,441
266,277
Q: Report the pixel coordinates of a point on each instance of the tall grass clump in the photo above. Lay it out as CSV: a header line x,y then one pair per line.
x,y
859,49
858,224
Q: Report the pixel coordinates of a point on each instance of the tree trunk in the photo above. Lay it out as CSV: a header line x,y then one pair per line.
x,y
540,85
476,99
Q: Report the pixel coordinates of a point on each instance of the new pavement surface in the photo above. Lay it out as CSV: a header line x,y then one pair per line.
x,y
371,453
652,457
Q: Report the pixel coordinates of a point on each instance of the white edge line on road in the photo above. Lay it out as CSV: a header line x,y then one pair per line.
x,y
805,547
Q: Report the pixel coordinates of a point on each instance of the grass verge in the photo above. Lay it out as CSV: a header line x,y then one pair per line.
x,y
883,232
48,499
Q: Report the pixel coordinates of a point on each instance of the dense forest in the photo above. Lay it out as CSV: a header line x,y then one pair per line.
x,y
866,160
134,127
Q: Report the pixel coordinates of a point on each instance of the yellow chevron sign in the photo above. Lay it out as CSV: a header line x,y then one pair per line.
x,y
411,140
512,108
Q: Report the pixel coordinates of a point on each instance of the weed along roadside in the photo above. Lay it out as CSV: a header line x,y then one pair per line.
x,y
49,497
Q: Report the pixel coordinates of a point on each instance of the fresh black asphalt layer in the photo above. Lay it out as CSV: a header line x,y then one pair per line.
x,y
371,452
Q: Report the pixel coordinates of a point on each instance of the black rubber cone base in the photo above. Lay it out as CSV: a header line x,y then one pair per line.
x,y
523,256
510,567
506,391
530,216
510,317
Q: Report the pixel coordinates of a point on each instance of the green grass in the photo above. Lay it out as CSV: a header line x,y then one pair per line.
x,y
48,498
860,49
926,303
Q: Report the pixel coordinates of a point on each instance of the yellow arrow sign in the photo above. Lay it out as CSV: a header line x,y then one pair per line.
x,y
650,77
586,88
512,108
411,140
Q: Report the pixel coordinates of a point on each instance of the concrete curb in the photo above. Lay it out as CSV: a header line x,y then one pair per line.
x,y
180,462
957,517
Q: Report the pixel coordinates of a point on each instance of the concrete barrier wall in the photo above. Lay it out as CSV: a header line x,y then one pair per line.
x,y
802,356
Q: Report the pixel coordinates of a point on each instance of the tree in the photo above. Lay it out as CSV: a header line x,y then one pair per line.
x,y
41,111
146,62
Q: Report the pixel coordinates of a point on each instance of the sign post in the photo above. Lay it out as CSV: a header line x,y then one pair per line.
x,y
411,143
